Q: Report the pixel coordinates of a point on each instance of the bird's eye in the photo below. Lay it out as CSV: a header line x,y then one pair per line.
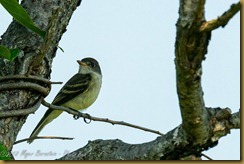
x,y
92,65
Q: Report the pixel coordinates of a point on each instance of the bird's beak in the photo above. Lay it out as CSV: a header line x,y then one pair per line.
x,y
81,63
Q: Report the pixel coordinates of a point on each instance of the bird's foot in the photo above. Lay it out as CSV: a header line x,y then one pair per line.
x,y
87,117
79,114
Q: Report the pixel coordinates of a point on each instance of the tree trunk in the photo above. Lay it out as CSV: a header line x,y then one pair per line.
x,y
36,58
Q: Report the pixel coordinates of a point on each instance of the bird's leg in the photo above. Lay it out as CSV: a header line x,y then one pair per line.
x,y
84,115
77,115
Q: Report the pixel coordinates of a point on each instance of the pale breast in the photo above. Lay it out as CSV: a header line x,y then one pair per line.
x,y
84,100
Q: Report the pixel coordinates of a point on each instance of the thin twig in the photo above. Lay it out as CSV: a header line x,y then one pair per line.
x,y
206,156
222,20
27,77
124,123
84,115
25,85
58,82
21,112
42,137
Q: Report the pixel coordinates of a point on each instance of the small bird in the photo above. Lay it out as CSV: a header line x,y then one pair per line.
x,y
78,93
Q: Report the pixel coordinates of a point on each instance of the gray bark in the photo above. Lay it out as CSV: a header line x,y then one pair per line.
x,y
174,145
201,127
36,59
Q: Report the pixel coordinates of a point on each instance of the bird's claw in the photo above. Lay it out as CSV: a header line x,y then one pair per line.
x,y
87,117
76,117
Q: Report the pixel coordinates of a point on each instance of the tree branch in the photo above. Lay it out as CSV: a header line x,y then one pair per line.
x,y
190,49
42,137
222,20
206,156
223,121
235,120
87,116
174,145
118,150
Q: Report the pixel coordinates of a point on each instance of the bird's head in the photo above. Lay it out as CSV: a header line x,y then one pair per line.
x,y
89,65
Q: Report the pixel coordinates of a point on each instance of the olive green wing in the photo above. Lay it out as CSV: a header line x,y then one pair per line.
x,y
76,85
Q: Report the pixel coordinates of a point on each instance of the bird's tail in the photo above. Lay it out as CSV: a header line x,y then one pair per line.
x,y
49,116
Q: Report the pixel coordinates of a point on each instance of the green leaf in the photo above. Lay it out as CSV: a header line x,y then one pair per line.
x,y
4,52
9,54
20,15
14,53
4,154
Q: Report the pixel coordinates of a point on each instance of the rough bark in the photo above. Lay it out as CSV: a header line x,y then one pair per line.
x,y
201,127
174,145
36,58
190,49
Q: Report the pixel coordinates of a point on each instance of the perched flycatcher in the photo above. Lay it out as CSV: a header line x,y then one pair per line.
x,y
78,93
